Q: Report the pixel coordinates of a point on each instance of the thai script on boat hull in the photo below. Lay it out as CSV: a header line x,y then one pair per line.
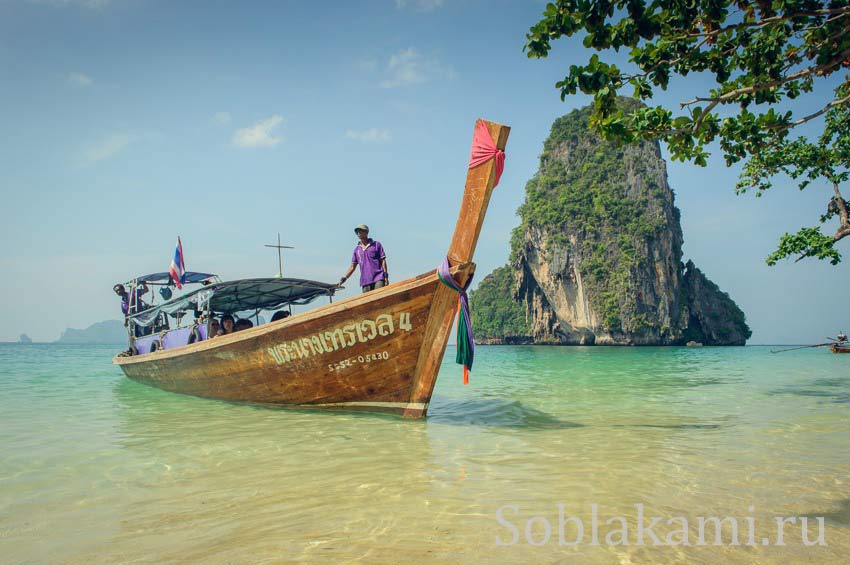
x,y
340,337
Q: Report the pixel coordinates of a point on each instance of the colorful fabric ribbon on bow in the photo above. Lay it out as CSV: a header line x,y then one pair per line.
x,y
483,149
465,343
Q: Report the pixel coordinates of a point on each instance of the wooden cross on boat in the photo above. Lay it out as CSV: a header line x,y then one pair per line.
x,y
279,247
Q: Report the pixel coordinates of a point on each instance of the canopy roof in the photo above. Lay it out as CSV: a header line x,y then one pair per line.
x,y
190,277
239,296
265,293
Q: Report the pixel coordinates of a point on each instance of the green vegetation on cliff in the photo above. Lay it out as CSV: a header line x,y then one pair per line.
x,y
494,311
592,199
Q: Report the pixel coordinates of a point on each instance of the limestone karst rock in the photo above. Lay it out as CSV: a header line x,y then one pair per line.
x,y
597,258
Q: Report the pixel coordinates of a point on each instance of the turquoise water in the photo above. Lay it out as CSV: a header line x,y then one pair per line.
x,y
97,468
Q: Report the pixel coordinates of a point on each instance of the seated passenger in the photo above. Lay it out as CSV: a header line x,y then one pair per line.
x,y
243,324
161,323
227,324
280,315
213,328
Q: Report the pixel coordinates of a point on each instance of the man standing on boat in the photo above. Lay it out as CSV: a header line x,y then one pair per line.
x,y
370,256
131,302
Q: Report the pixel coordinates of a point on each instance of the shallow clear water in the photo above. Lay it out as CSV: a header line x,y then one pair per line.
x,y
94,467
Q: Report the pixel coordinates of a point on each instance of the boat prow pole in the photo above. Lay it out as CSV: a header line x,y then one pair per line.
x,y
480,181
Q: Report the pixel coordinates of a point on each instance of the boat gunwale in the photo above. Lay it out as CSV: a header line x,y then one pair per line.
x,y
325,310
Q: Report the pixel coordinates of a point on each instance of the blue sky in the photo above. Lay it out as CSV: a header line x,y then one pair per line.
x,y
126,123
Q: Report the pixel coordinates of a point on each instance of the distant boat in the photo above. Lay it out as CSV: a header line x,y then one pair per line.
x,y
837,344
378,351
24,338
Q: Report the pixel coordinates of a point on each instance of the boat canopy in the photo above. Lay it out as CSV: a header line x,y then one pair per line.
x,y
240,296
164,278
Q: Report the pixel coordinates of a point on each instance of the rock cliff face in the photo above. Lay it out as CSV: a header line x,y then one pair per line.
x,y
597,258
713,317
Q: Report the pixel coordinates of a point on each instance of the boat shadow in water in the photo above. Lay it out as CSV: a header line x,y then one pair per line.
x,y
493,412
486,412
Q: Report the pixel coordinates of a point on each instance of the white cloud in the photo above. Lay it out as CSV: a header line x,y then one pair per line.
x,y
409,67
222,118
106,148
372,135
260,134
80,80
405,68
419,5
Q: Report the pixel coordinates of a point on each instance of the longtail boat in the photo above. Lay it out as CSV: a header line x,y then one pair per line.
x,y
838,348
377,351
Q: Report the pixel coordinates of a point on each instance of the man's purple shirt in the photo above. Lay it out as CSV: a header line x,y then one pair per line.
x,y
126,302
369,260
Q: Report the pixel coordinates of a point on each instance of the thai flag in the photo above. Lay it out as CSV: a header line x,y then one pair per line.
x,y
178,267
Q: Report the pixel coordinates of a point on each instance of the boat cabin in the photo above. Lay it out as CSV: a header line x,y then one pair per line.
x,y
185,319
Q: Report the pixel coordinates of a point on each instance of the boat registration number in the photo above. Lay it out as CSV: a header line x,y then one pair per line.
x,y
360,359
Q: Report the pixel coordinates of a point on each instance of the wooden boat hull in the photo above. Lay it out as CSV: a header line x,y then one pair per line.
x,y
840,348
355,354
379,351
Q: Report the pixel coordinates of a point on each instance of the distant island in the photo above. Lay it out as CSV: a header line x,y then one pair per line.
x,y
597,257
106,332
24,339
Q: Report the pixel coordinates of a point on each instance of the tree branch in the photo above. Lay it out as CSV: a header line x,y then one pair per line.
x,y
702,116
771,20
841,233
693,129
708,37
842,208
844,217
732,94
805,119
671,62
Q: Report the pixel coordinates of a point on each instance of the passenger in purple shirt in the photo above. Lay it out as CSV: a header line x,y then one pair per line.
x,y
370,256
129,306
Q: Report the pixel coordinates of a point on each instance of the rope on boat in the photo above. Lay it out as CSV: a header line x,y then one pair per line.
x,y
465,342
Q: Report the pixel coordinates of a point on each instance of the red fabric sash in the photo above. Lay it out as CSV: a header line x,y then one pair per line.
x,y
483,149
